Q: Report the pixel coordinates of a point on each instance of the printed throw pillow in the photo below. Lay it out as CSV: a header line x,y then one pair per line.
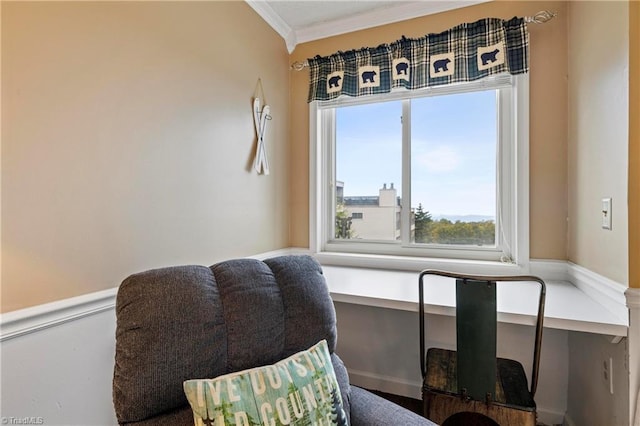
x,y
299,390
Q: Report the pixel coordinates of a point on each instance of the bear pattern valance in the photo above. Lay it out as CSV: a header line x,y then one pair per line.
x,y
466,52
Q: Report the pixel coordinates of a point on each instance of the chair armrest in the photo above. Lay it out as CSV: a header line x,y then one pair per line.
x,y
368,409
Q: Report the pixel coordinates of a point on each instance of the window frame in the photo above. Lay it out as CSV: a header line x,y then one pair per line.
x,y
512,175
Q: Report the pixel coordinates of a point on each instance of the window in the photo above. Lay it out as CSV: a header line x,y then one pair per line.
x,y
438,173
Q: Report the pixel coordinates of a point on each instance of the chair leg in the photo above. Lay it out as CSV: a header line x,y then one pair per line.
x,y
426,403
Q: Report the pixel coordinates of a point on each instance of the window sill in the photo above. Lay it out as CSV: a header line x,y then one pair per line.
x,y
406,263
577,299
567,306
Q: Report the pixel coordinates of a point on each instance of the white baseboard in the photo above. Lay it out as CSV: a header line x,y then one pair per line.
x,y
633,298
549,270
607,292
550,417
393,385
568,421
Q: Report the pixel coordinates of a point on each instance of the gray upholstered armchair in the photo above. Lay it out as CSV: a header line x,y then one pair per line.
x,y
191,322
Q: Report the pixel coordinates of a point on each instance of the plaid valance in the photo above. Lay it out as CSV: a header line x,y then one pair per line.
x,y
466,52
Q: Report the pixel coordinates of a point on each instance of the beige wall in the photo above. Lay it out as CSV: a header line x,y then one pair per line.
x,y
548,132
634,144
127,140
598,126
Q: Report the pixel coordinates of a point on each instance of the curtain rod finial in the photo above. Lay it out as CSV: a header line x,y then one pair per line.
x,y
299,66
541,17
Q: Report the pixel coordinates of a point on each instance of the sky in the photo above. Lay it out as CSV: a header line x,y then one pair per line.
x,y
453,151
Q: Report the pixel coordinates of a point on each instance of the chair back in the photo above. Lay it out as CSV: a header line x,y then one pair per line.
x,y
476,338
476,323
190,322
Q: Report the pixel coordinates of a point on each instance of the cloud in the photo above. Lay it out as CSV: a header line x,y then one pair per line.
x,y
441,159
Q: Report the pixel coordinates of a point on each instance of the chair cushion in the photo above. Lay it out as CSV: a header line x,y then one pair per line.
x,y
184,322
301,389
511,381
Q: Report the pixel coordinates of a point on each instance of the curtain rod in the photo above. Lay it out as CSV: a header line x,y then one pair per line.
x,y
541,17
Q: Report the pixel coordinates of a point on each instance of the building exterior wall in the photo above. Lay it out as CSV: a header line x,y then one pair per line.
x,y
378,218
377,223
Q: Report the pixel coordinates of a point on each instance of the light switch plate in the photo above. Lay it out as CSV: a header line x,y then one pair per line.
x,y
606,213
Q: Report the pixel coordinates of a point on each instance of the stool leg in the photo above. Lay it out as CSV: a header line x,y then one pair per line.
x,y
426,403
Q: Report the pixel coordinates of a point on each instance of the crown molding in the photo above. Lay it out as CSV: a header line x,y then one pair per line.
x,y
361,21
379,17
265,11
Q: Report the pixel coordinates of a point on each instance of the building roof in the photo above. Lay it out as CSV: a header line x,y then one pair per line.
x,y
362,200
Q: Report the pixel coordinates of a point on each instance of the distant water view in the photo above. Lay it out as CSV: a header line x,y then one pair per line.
x,y
464,218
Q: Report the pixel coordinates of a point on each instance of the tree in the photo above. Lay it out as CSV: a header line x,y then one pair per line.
x,y
423,222
443,231
462,233
343,223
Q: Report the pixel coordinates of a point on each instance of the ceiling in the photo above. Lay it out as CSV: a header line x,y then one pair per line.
x,y
299,21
